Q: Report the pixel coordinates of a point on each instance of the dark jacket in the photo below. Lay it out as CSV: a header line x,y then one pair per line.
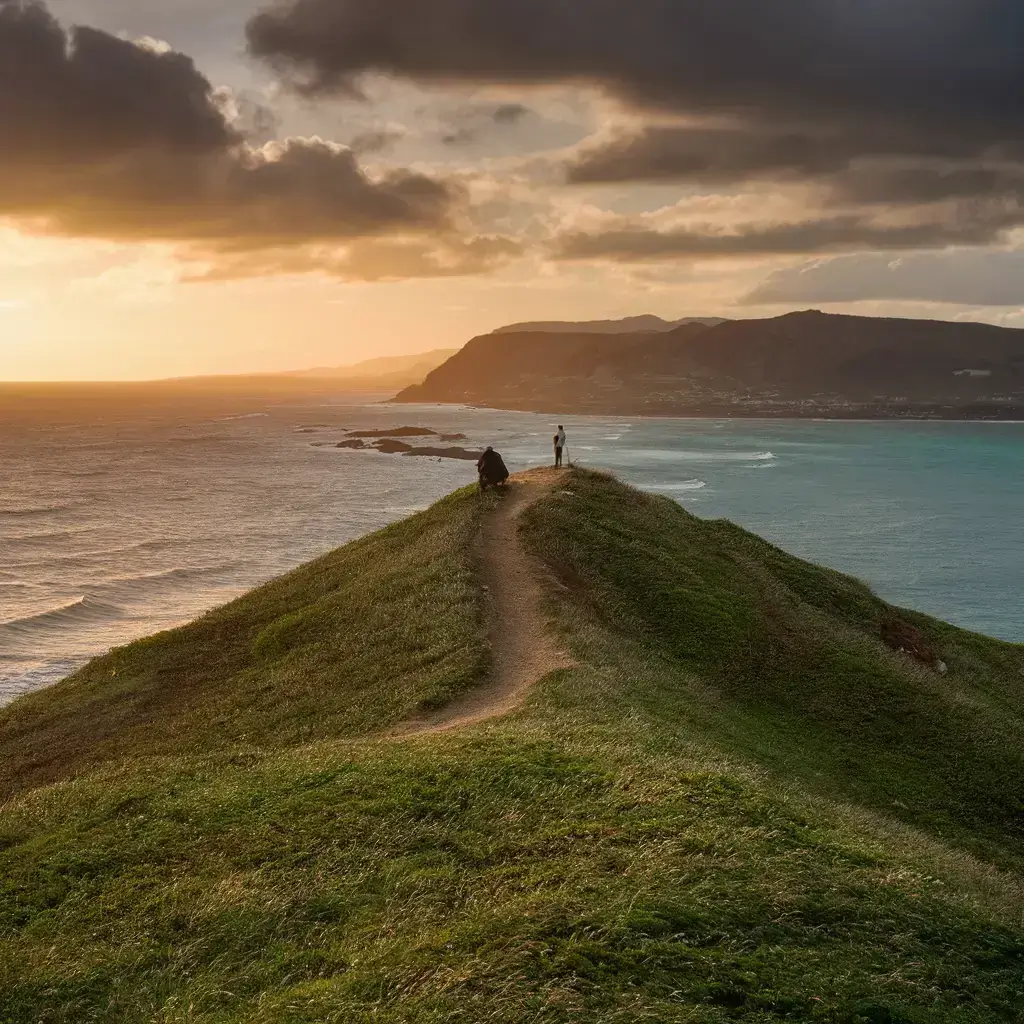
x,y
492,467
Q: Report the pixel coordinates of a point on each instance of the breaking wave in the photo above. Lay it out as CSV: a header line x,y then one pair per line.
x,y
708,456
143,585
684,485
85,610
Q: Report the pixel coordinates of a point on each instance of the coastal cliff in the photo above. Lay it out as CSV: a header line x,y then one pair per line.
x,y
800,365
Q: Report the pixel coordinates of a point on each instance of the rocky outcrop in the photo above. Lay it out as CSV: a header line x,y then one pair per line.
x,y
396,432
390,443
462,454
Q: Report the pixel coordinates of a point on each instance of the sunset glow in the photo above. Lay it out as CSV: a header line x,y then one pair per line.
x,y
322,200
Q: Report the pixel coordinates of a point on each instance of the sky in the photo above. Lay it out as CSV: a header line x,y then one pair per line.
x,y
196,188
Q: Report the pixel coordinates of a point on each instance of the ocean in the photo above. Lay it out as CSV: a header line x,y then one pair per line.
x,y
121,519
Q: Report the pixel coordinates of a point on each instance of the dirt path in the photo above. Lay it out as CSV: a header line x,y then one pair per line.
x,y
522,648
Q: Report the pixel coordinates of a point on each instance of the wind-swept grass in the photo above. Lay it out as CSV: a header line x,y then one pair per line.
x,y
648,839
348,644
786,660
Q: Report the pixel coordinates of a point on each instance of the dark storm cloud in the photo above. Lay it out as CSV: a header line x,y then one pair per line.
x,y
806,90
888,184
723,154
88,95
709,155
304,191
847,233
104,138
936,65
865,169
973,278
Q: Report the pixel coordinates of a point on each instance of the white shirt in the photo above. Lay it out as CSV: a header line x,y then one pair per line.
x,y
561,439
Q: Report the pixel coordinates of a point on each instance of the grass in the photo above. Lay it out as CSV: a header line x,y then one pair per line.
x,y
791,655
347,645
680,829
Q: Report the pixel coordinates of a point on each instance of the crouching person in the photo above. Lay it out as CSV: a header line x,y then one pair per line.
x,y
492,470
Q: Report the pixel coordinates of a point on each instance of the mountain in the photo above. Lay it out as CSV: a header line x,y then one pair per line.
x,y
631,324
384,372
800,364
566,754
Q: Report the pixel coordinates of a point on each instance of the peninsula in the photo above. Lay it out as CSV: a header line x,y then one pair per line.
x,y
563,754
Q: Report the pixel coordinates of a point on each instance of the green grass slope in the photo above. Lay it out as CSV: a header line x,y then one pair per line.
x,y
740,806
785,659
353,642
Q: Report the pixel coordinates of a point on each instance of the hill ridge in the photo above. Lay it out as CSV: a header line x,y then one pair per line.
x,y
742,804
521,648
645,323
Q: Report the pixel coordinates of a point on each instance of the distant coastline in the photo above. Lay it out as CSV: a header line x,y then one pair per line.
x,y
861,414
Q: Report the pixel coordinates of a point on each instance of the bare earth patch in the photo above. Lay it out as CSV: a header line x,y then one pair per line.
x,y
523,649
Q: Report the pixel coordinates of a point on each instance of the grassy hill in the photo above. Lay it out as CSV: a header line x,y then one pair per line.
x,y
740,805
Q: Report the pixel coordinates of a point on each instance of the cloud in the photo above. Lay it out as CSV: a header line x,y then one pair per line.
x,y
855,174
708,154
872,103
893,183
377,140
371,259
111,139
944,67
467,123
639,242
294,192
854,192
88,95
853,162
972,278
510,113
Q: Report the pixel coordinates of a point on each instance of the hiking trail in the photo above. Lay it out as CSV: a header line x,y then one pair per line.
x,y
523,651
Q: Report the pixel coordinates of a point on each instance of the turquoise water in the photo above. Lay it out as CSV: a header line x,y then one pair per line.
x,y
114,527
929,514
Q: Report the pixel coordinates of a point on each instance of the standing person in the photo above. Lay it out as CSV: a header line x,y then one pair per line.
x,y
559,445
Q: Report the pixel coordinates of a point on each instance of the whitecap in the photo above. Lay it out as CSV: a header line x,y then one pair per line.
x,y
684,485
84,609
707,455
143,585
